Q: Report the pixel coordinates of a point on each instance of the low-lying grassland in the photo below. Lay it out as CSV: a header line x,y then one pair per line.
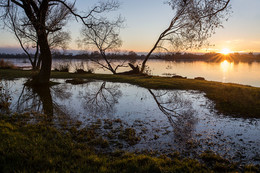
x,y
231,99
31,143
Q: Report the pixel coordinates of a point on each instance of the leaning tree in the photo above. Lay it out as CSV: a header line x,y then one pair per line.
x,y
36,12
192,23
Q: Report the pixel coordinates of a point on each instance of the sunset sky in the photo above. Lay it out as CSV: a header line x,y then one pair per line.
x,y
146,19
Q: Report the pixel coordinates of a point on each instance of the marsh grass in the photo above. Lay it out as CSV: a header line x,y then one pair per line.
x,y
62,67
82,68
6,65
29,143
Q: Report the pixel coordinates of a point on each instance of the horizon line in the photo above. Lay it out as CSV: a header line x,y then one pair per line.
x,y
17,50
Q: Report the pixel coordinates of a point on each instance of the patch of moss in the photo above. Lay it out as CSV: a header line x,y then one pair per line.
x,y
217,163
129,135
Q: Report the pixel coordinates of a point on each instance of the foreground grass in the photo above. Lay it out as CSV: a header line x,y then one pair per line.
x,y
231,99
42,147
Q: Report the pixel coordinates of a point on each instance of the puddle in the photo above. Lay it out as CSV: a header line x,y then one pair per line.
x,y
138,119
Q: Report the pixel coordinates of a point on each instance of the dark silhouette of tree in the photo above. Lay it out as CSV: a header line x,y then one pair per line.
x,y
27,37
104,37
36,14
193,22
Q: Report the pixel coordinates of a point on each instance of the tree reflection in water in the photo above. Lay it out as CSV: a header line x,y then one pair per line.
x,y
100,100
143,119
180,113
5,97
40,100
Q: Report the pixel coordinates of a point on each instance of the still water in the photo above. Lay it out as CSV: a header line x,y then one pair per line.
x,y
164,121
225,71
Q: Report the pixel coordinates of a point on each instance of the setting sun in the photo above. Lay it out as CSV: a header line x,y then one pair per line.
x,y
226,51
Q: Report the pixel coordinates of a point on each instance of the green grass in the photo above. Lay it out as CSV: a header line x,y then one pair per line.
x,y
230,99
41,147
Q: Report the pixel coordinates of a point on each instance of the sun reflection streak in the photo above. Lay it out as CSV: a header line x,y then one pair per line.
x,y
226,67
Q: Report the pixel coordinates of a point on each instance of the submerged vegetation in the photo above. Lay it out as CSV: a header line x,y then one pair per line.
x,y
230,99
32,143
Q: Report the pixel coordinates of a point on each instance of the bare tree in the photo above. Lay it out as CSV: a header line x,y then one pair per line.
x,y
193,22
104,37
36,15
27,37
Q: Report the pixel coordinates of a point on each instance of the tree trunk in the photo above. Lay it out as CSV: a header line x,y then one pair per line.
x,y
43,77
103,54
151,51
162,35
38,61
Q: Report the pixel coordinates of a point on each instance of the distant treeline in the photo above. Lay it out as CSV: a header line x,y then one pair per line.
x,y
209,57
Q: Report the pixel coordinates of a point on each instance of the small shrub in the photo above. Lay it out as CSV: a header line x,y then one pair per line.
x,y
62,67
82,68
81,71
6,65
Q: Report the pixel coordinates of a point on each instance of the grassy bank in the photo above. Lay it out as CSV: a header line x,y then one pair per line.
x,y
230,99
42,147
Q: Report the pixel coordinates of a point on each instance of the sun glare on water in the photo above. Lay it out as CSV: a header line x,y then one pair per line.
x,y
226,51
226,66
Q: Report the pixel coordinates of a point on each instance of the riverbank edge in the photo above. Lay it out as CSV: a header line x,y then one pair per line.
x,y
235,100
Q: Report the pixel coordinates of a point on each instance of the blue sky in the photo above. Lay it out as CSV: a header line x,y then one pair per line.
x,y
146,19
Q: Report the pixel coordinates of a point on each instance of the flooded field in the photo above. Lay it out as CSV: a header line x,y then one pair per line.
x,y
135,119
